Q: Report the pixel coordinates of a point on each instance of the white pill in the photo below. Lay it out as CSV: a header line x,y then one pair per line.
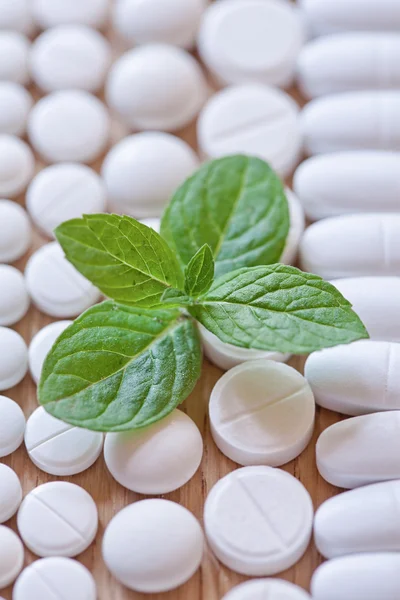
x,y
167,21
11,556
15,104
69,125
152,222
17,165
10,492
272,589
62,192
150,460
58,448
376,301
50,578
15,231
356,379
360,450
296,229
55,285
244,41
251,119
258,520
262,413
50,13
130,166
16,15
14,298
14,358
57,519
41,344
348,182
12,424
14,53
358,577
156,86
365,120
349,61
70,56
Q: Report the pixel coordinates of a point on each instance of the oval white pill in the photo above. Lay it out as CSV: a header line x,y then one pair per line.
x,y
130,166
251,119
55,285
14,57
12,425
10,491
70,57
252,540
58,448
376,301
348,182
14,298
15,104
11,556
57,519
14,358
150,460
262,413
49,576
139,87
366,120
153,545
62,192
17,165
272,589
16,15
41,344
358,577
69,125
152,222
360,450
244,41
50,13
15,231
296,230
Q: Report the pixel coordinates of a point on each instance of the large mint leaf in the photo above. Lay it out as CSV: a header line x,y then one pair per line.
x,y
119,368
237,206
199,273
126,260
278,308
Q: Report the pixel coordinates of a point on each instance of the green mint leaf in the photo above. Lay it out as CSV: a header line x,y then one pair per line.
x,y
199,273
126,260
119,368
278,308
175,297
237,206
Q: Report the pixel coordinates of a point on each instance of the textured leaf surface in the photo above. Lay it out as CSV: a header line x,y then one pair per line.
x,y
199,273
237,206
119,368
126,260
278,308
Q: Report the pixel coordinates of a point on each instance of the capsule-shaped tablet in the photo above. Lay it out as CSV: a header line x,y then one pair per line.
x,y
356,379
349,61
360,450
362,520
352,245
349,182
376,300
366,120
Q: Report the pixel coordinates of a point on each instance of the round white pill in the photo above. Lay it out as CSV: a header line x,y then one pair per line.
x,y
11,556
167,21
129,172
14,57
70,56
150,460
153,545
41,344
262,413
14,358
251,119
14,298
12,424
258,41
57,519
62,192
17,165
156,87
258,520
55,285
15,104
15,231
69,125
16,15
273,589
10,492
50,578
50,13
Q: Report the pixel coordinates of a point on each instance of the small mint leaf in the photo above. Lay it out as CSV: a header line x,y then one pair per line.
x,y
199,273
